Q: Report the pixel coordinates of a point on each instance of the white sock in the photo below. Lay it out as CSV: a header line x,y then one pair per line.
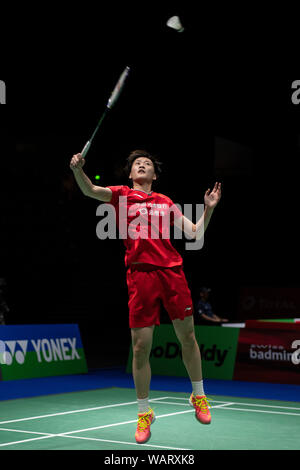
x,y
143,405
198,388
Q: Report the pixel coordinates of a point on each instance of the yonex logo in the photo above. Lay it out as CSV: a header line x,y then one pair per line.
x,y
53,350
59,349
13,349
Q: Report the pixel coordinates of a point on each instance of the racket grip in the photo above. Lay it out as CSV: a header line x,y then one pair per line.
x,y
86,149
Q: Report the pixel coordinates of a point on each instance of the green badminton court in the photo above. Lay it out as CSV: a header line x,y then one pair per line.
x,y
106,419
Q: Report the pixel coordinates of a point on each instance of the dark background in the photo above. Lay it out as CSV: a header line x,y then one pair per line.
x,y
211,105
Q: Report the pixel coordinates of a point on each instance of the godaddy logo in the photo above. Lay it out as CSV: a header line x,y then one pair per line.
x,y
172,351
59,349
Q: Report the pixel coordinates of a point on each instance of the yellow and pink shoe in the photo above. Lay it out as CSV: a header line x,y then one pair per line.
x,y
201,406
143,432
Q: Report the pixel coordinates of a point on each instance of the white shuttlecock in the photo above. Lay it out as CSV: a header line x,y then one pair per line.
x,y
175,23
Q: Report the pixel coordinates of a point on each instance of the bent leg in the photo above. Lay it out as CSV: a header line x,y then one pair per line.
x,y
141,348
191,356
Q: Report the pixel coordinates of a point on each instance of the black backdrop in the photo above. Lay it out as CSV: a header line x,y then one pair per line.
x,y
188,95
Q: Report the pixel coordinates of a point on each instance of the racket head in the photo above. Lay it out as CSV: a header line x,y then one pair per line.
x,y
118,88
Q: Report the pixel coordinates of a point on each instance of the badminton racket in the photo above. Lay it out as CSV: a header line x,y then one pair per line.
x,y
111,102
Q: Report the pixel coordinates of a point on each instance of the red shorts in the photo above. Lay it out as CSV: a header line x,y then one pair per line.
x,y
148,286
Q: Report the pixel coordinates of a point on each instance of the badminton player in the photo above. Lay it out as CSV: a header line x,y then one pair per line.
x,y
155,274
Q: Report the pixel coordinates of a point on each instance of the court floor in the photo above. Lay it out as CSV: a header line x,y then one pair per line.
x,y
105,419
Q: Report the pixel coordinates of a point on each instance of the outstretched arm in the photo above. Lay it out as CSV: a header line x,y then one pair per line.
x,y
85,184
196,231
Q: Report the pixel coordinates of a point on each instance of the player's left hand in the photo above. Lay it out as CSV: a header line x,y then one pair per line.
x,y
213,197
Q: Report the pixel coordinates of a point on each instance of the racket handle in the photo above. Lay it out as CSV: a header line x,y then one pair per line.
x,y
86,149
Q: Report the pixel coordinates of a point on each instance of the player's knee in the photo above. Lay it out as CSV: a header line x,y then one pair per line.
x,y
141,350
188,340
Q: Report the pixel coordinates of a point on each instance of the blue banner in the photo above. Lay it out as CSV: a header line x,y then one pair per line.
x,y
28,351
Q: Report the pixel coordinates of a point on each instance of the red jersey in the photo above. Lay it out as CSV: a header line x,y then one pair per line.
x,y
144,222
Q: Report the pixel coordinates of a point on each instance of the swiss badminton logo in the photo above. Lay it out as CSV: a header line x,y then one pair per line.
x,y
278,353
2,92
296,354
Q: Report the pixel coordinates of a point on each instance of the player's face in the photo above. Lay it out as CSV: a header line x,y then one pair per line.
x,y
142,170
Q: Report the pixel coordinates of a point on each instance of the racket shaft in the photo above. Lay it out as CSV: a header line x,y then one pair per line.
x,y
112,100
89,142
99,124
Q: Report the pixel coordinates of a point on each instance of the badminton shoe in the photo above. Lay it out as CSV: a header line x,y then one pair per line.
x,y
145,420
201,406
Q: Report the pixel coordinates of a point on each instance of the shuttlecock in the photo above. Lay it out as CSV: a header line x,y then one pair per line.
x,y
175,23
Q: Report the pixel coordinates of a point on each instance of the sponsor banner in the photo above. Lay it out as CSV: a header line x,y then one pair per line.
x,y
268,303
217,345
269,355
29,351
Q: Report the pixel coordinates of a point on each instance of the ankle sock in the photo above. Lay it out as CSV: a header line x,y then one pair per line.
x,y
198,388
143,405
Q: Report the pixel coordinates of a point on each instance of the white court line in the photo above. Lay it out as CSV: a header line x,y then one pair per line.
x,y
266,406
68,434
171,403
187,404
129,443
25,440
47,436
226,404
223,404
134,421
74,411
121,423
28,432
238,403
43,434
263,411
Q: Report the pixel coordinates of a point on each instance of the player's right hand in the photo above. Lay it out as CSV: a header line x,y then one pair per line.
x,y
77,162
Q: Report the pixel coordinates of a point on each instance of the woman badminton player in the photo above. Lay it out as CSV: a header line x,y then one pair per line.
x,y
154,274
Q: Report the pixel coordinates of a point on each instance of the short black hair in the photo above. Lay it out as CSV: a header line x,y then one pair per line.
x,y
142,153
